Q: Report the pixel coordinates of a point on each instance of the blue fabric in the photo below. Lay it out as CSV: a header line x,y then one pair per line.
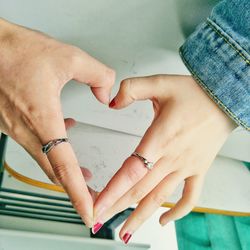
x,y
198,231
218,56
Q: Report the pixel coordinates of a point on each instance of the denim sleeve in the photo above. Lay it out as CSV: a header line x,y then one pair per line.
x,y
218,56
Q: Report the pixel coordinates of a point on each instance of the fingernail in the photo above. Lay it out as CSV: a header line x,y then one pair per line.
x,y
126,237
112,103
96,227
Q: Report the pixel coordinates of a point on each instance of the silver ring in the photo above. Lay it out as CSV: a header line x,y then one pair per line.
x,y
149,165
51,144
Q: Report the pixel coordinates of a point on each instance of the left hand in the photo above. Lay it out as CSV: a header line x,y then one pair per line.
x,y
187,132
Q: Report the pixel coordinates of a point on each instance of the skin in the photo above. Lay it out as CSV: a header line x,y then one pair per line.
x,y
186,133
33,70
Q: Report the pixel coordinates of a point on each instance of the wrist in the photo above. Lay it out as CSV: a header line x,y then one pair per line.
x,y
191,89
223,118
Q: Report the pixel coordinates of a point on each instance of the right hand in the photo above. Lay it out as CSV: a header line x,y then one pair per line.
x,y
187,131
33,70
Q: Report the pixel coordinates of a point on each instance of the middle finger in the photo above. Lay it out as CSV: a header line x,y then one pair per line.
x,y
132,171
161,169
149,204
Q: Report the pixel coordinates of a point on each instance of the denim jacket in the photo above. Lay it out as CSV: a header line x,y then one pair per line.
x,y
217,54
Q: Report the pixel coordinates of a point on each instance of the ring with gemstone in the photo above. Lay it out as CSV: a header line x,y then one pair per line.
x,y
149,165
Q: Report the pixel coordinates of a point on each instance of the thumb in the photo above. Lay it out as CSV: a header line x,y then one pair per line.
x,y
98,76
133,89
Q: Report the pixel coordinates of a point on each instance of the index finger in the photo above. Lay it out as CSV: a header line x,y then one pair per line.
x,y
68,172
66,168
98,76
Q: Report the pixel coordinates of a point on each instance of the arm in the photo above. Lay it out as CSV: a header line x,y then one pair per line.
x,y
218,56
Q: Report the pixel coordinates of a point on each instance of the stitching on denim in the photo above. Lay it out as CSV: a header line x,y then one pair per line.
x,y
210,23
214,97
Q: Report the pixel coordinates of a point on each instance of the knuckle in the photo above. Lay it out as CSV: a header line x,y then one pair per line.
x,y
158,199
158,80
32,114
190,200
190,203
133,174
181,212
37,119
61,172
125,86
137,194
15,131
110,76
139,218
75,55
78,204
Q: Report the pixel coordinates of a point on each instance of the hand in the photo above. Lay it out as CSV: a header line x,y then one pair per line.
x,y
187,132
33,70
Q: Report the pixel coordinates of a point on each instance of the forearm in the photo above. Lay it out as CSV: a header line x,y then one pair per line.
x,y
217,55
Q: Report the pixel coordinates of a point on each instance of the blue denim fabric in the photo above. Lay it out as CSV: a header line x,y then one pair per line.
x,y
218,56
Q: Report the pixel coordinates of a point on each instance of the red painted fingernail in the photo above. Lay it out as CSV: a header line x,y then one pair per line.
x,y
112,103
126,237
96,227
